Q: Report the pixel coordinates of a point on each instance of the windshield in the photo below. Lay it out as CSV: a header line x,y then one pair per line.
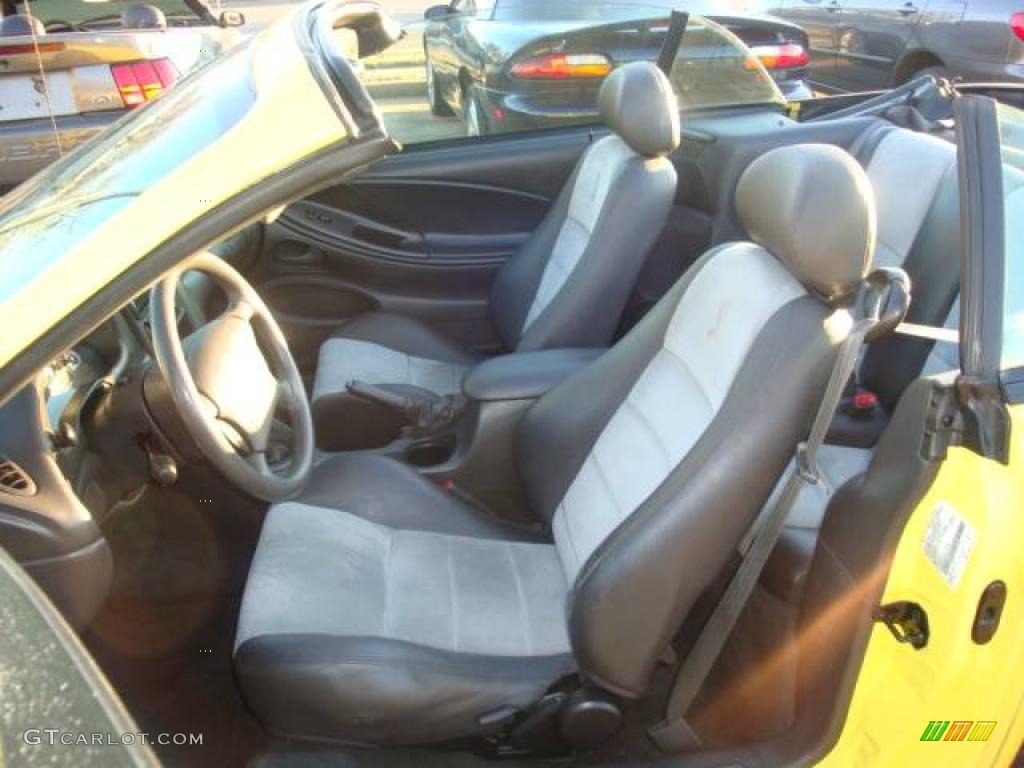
x,y
1011,130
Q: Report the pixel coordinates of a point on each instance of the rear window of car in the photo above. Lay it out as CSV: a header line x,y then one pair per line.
x,y
574,10
542,10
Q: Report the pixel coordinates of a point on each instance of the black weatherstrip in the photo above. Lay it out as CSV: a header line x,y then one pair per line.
x,y
982,257
673,37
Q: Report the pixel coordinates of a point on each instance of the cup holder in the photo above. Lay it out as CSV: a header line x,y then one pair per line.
x,y
429,453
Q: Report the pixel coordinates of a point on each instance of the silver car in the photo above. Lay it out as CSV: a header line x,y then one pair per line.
x,y
858,45
73,67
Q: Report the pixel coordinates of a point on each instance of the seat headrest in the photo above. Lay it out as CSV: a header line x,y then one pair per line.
x,y
14,26
637,102
143,17
812,206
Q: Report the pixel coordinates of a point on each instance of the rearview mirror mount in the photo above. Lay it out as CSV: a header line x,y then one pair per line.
x,y
231,19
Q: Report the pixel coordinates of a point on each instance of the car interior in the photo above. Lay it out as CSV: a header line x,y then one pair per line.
x,y
452,459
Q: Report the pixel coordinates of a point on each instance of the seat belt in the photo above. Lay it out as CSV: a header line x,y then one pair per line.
x,y
884,298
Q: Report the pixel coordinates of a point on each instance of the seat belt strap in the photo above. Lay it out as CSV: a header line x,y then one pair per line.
x,y
929,332
674,734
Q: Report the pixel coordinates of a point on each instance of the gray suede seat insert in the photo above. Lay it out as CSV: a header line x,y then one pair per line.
x,y
381,610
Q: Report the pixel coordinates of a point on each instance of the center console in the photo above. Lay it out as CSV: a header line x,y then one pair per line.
x,y
473,454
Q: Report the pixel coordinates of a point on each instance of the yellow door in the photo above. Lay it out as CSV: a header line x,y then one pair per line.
x,y
959,700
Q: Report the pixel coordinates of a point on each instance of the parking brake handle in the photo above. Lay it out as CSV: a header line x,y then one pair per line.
x,y
424,411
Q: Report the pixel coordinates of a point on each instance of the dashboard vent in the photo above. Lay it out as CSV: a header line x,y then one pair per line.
x,y
13,479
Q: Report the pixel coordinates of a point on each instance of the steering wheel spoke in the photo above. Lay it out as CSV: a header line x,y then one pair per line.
x,y
258,461
241,309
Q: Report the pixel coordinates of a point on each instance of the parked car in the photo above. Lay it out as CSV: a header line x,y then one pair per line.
x,y
499,64
518,577
73,67
859,45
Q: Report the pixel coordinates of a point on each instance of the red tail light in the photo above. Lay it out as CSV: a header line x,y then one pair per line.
x,y
555,66
142,81
1017,25
787,56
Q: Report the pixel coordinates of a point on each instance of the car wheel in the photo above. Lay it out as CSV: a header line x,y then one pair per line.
x,y
438,106
473,113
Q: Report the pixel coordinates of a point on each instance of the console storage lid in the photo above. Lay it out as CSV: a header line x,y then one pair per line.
x,y
525,375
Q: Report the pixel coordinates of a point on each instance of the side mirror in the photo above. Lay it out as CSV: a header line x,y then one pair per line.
x,y
231,19
436,12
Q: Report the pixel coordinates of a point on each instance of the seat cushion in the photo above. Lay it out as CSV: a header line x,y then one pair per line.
x,y
405,632
385,349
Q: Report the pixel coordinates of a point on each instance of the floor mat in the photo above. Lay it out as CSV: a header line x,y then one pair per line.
x,y
166,633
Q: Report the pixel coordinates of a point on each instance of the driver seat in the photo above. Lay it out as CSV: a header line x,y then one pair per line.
x,y
565,287
381,610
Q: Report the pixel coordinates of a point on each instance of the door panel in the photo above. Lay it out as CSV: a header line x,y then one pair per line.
x,y
871,38
820,19
422,233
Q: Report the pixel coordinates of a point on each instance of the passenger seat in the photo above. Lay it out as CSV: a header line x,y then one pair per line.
x,y
566,287
914,179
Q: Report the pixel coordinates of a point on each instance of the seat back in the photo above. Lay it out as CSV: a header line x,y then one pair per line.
x,y
652,463
914,178
568,284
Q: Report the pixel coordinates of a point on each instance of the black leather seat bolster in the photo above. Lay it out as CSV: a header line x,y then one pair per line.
x,y
389,493
785,572
395,692
525,375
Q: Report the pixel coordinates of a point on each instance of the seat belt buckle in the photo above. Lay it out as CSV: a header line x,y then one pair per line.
x,y
806,467
861,406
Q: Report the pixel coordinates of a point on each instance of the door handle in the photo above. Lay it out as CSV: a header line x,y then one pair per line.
x,y
908,9
380,237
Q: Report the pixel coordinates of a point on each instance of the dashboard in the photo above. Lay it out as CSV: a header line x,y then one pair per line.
x,y
91,432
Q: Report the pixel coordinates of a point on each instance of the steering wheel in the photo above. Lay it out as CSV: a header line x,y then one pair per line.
x,y
229,378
